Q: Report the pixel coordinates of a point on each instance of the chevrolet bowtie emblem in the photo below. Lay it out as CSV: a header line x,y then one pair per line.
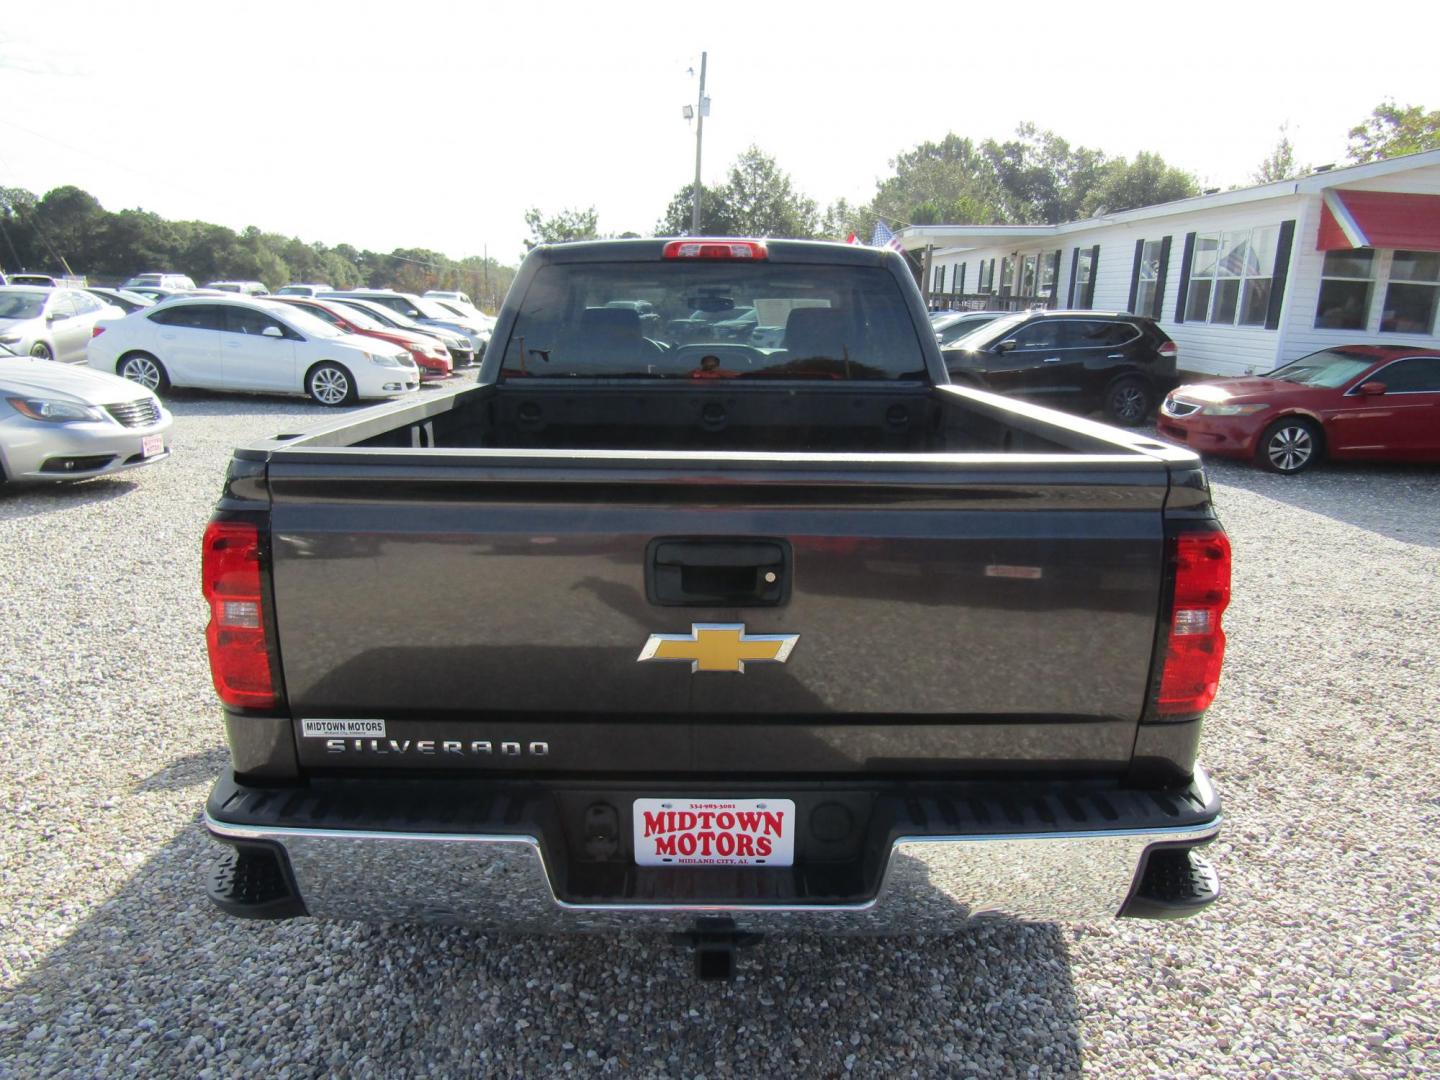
x,y
719,647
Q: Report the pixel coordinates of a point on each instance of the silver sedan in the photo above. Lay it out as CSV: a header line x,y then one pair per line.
x,y
59,422
53,324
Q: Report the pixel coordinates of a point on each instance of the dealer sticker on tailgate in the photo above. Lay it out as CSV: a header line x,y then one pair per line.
x,y
714,832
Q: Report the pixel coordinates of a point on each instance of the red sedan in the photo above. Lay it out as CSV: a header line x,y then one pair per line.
x,y
1349,403
429,353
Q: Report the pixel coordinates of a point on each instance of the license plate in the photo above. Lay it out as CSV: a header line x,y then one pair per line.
x,y
714,832
151,445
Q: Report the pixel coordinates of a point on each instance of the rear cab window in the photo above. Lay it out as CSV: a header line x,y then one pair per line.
x,y
717,320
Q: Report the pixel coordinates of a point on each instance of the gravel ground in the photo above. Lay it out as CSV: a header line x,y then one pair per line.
x,y
1321,959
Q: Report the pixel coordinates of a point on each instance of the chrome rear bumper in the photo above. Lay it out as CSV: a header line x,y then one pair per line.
x,y
930,884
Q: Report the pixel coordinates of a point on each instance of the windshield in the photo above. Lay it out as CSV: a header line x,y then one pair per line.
x,y
988,332
1330,369
629,320
302,320
21,305
359,317
431,310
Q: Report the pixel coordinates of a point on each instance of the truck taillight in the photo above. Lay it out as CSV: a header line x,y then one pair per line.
x,y
239,654
745,250
1196,647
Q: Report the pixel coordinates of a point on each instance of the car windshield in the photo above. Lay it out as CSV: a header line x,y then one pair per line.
x,y
385,316
302,320
449,306
21,305
360,318
431,310
990,331
1330,368
810,322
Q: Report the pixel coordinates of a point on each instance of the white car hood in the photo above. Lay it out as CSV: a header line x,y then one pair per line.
x,y
375,346
21,376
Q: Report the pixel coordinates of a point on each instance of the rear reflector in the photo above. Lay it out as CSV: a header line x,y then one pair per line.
x,y
715,249
1196,648
239,655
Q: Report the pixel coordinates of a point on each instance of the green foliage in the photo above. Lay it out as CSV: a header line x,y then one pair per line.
x,y
1126,185
1280,163
561,228
757,199
68,228
1391,130
1036,177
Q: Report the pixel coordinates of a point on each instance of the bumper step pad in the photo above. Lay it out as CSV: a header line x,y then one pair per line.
x,y
251,882
1176,882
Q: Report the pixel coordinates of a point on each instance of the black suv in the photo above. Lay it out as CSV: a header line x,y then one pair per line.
x,y
1078,361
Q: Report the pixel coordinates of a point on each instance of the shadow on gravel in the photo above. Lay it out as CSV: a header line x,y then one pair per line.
x,y
156,981
35,500
197,768
1395,501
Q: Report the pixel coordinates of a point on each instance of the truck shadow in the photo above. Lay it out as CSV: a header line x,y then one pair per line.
x,y
1394,501
155,973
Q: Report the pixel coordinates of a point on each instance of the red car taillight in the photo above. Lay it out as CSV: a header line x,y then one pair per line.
x,y
751,250
1196,647
239,655
1169,350
96,330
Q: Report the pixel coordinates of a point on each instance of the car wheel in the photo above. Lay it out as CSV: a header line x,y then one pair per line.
x,y
1128,402
41,351
330,384
1290,445
144,369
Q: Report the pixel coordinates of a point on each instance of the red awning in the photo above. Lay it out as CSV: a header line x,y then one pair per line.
x,y
1379,219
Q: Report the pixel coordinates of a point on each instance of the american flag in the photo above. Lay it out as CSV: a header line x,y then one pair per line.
x,y
884,237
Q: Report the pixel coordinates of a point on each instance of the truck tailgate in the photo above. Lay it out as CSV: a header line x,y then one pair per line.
x,y
951,614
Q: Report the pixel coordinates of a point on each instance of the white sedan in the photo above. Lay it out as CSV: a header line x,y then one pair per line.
x,y
59,422
256,346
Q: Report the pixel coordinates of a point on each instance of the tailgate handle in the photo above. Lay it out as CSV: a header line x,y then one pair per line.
x,y
717,573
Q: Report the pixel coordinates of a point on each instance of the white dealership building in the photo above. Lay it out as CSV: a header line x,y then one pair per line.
x,y
1243,280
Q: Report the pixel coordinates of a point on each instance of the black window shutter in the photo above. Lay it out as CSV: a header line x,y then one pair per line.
x,y
1135,276
992,275
1185,261
1158,308
1094,273
1055,277
1282,271
960,283
1074,269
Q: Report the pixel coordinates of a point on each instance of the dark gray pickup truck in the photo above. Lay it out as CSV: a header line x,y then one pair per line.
x,y
717,637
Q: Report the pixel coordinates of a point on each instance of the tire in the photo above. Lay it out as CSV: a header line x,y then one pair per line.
x,y
144,369
41,351
1129,402
330,385
1290,445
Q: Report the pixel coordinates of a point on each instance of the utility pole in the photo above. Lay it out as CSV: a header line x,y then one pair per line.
x,y
699,134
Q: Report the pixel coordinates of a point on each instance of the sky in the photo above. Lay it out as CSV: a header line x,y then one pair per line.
x,y
437,125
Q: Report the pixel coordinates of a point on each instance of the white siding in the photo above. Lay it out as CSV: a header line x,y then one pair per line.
x,y
1301,335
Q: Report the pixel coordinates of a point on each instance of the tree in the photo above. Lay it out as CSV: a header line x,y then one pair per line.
x,y
761,200
1146,181
951,181
1280,163
1391,130
1041,180
560,228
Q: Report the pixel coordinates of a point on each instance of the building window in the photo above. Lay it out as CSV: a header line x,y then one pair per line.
x,y
1149,278
940,279
1231,275
1027,275
1346,283
1410,297
1084,268
1007,275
